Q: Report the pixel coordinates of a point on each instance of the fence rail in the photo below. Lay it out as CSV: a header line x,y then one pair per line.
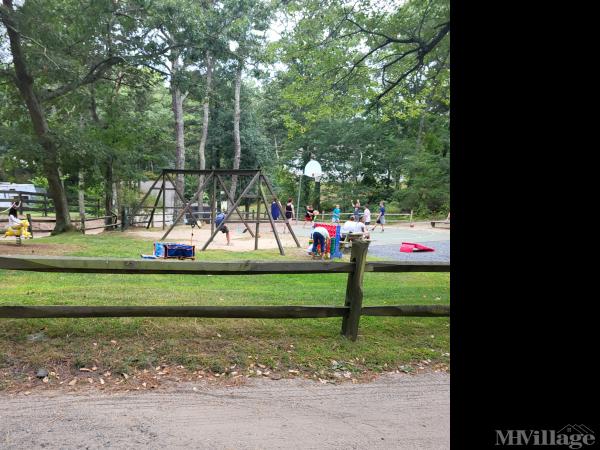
x,y
41,198
350,311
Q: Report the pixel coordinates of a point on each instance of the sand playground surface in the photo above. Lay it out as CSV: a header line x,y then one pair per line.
x,y
244,242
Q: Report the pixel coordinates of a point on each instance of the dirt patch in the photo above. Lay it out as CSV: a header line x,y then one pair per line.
x,y
64,378
34,247
395,411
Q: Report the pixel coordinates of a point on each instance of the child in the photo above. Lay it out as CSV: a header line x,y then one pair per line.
x,y
308,217
13,221
380,216
367,215
336,214
356,207
218,220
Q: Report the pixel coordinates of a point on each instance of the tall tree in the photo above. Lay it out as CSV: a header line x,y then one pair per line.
x,y
25,83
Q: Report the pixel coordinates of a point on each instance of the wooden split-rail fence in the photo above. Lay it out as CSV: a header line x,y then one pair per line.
x,y
350,312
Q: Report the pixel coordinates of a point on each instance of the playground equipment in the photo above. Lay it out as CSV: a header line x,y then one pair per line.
x,y
22,232
334,234
411,247
249,182
172,250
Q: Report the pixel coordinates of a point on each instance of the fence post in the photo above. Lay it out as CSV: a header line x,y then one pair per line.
x,y
354,290
45,205
123,219
30,227
82,219
20,204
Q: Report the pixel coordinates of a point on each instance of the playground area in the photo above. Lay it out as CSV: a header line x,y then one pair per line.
x,y
383,244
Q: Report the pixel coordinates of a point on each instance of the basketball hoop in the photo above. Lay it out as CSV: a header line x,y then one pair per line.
x,y
313,169
318,177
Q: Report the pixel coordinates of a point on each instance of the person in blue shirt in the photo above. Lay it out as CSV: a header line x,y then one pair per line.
x,y
275,210
218,220
336,214
380,216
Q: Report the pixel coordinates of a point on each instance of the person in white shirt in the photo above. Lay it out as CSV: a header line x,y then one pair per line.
x,y
13,221
348,227
367,215
361,227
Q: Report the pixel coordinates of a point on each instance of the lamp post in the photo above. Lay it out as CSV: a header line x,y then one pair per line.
x,y
313,170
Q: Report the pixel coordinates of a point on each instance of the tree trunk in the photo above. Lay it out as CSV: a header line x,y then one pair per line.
x,y
177,106
236,128
50,163
205,119
317,196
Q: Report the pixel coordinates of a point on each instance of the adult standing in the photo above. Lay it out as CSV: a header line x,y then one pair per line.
x,y
380,217
289,211
320,237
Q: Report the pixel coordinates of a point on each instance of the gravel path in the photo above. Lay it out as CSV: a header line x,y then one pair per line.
x,y
396,411
392,251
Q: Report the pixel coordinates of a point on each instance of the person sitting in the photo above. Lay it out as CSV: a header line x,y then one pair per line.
x,y
218,220
348,227
361,227
13,221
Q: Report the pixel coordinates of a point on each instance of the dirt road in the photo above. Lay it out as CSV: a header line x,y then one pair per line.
x,y
395,411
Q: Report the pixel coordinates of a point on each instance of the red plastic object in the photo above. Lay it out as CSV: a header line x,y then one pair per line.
x,y
410,247
330,228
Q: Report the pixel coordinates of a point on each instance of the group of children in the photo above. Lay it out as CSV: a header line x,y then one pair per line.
x,y
358,222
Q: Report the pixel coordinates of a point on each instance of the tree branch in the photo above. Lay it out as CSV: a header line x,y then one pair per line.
x,y
95,73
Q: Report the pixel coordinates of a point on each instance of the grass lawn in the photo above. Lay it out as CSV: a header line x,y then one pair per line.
x,y
210,346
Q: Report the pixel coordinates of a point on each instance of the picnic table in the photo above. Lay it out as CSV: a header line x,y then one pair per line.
x,y
347,242
434,222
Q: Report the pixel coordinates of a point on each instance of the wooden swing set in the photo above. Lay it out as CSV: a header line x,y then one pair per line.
x,y
213,181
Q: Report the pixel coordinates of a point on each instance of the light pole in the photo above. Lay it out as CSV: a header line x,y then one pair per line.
x,y
313,170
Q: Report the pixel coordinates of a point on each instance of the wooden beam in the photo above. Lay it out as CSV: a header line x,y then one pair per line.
x,y
229,312
354,290
237,209
407,310
139,205
281,210
257,215
155,204
264,198
242,172
186,204
206,180
408,266
230,211
74,264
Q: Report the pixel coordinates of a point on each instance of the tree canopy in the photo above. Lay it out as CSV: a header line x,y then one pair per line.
x,y
112,91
